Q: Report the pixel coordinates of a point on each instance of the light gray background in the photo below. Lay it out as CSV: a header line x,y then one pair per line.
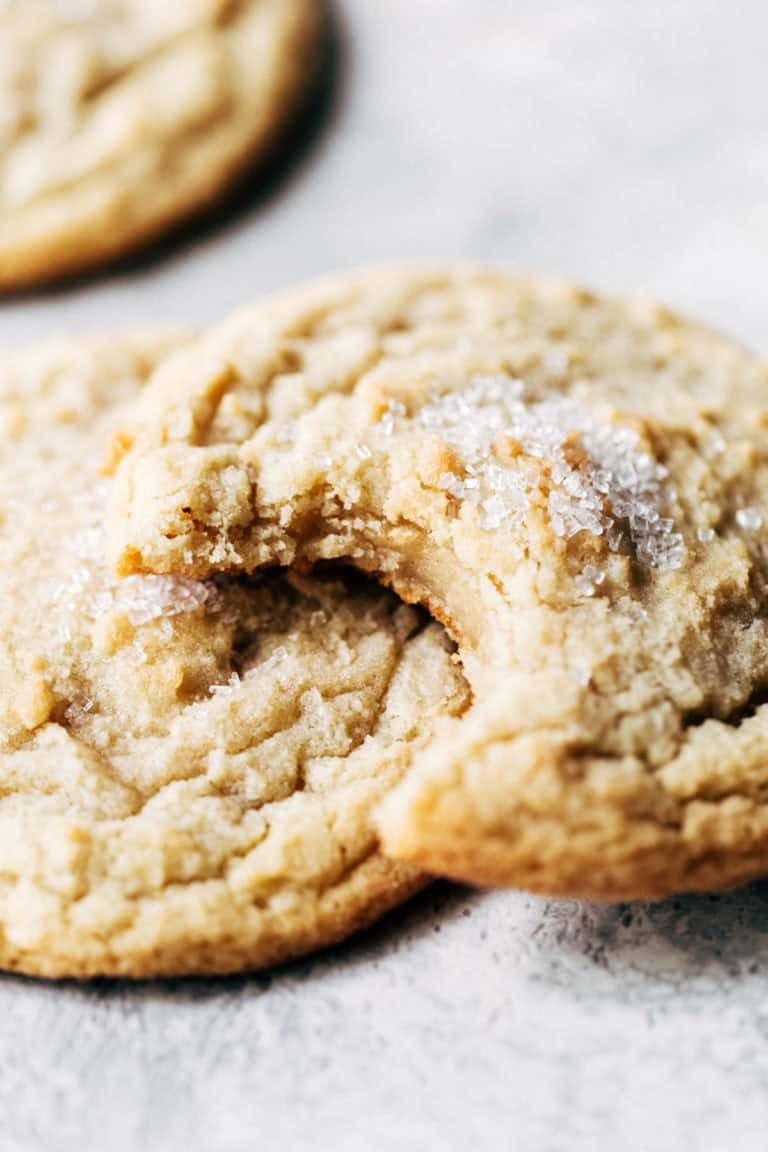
x,y
621,143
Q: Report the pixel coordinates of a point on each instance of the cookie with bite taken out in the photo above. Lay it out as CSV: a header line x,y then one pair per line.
x,y
574,486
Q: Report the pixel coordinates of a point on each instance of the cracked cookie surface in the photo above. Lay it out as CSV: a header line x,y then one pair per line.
x,y
120,118
575,486
187,769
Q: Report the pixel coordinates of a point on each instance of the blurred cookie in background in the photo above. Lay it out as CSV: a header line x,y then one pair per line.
x,y
121,118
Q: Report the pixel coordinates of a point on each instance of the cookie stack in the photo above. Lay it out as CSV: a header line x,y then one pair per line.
x,y
222,748
402,573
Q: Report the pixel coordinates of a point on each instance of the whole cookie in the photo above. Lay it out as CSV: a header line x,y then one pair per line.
x,y
120,118
187,769
577,487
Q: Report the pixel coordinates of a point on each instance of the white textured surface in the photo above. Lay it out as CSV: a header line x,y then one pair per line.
x,y
468,1022
621,143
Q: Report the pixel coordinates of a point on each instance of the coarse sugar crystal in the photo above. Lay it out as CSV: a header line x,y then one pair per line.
x,y
598,478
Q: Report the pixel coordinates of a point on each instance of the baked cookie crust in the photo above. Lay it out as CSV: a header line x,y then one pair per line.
x,y
120,119
187,770
576,486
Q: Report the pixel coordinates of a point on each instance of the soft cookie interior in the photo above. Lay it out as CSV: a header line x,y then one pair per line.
x,y
574,486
